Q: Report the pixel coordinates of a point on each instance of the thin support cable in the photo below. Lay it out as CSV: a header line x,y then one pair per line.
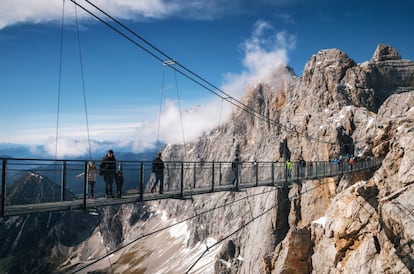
x,y
221,112
189,74
83,85
59,92
60,78
160,111
180,112
158,230
208,248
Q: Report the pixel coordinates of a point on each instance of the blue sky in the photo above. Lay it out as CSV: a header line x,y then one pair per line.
x,y
229,43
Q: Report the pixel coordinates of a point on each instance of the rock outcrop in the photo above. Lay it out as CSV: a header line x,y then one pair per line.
x,y
355,224
358,223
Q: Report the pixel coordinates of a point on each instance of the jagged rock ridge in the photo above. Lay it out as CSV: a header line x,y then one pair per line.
x,y
360,223
353,224
349,224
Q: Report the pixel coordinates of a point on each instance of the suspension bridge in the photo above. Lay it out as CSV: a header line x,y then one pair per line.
x,y
182,180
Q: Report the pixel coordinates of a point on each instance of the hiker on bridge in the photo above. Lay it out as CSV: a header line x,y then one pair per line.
x,y
91,175
158,170
107,169
289,167
235,169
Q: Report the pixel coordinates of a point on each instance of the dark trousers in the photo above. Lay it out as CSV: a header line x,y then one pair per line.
x,y
92,189
159,178
109,180
118,189
235,176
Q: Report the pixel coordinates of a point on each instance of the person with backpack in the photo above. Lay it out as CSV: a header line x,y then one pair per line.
x,y
158,169
107,169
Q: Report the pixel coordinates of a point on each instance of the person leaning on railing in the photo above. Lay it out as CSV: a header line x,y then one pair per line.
x,y
91,173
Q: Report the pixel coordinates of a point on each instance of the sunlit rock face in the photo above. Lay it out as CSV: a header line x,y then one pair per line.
x,y
359,223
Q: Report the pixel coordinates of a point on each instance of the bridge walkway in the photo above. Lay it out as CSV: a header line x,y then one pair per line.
x,y
182,180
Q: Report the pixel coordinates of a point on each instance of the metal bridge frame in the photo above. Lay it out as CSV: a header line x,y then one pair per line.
x,y
188,178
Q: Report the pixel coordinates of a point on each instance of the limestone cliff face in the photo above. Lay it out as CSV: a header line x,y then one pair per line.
x,y
360,223
355,224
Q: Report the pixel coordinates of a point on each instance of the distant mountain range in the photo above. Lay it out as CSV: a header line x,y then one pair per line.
x,y
39,152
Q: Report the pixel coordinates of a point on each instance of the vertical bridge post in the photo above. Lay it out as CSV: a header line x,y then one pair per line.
x,y
3,187
63,181
85,183
194,175
256,170
182,180
141,183
212,177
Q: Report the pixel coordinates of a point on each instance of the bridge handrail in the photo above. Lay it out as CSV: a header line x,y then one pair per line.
x,y
181,176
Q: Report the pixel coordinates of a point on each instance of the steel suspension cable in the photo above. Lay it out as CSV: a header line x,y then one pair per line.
x,y
60,79
83,85
180,112
226,204
168,227
229,235
160,110
190,74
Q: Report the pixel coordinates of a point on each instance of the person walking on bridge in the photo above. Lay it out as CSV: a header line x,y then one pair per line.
x,y
158,170
107,169
289,167
235,169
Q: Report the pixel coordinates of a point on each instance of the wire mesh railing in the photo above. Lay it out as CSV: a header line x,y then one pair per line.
x,y
39,181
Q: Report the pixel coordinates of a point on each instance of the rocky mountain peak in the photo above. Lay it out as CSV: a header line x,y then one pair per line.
x,y
360,222
346,224
328,64
34,188
385,52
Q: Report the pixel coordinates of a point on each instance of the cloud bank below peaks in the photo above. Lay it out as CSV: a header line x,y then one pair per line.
x,y
265,54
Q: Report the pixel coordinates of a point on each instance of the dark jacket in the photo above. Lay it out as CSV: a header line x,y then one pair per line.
x,y
108,166
235,163
157,165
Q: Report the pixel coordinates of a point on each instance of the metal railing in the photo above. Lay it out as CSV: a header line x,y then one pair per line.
x,y
54,183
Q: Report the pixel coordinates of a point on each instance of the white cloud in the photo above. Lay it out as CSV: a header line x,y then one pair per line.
x,y
17,11
264,52
36,11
